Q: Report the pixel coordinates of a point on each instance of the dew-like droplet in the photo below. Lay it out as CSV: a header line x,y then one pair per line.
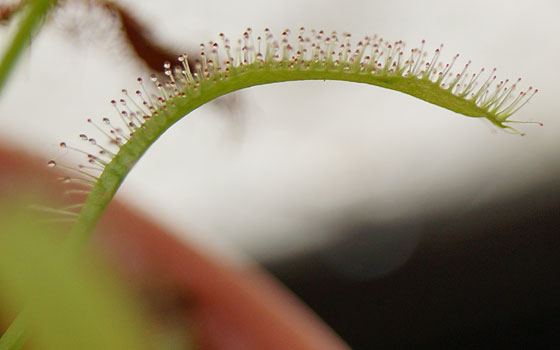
x,y
51,164
83,137
62,144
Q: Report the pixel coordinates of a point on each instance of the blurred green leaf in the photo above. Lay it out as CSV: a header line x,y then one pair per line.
x,y
35,11
15,336
71,302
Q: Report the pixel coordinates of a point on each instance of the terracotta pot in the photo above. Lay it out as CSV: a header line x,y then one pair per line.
x,y
225,305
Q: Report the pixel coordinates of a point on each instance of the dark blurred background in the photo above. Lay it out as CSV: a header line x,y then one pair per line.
x,y
486,277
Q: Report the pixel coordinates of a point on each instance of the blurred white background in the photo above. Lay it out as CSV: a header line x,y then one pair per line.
x,y
281,172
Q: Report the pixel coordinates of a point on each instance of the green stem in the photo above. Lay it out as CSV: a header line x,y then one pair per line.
x,y
35,12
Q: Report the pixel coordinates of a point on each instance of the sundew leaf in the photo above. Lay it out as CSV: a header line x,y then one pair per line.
x,y
222,68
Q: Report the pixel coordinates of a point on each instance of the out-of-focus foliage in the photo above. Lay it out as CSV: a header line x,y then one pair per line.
x,y
71,301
